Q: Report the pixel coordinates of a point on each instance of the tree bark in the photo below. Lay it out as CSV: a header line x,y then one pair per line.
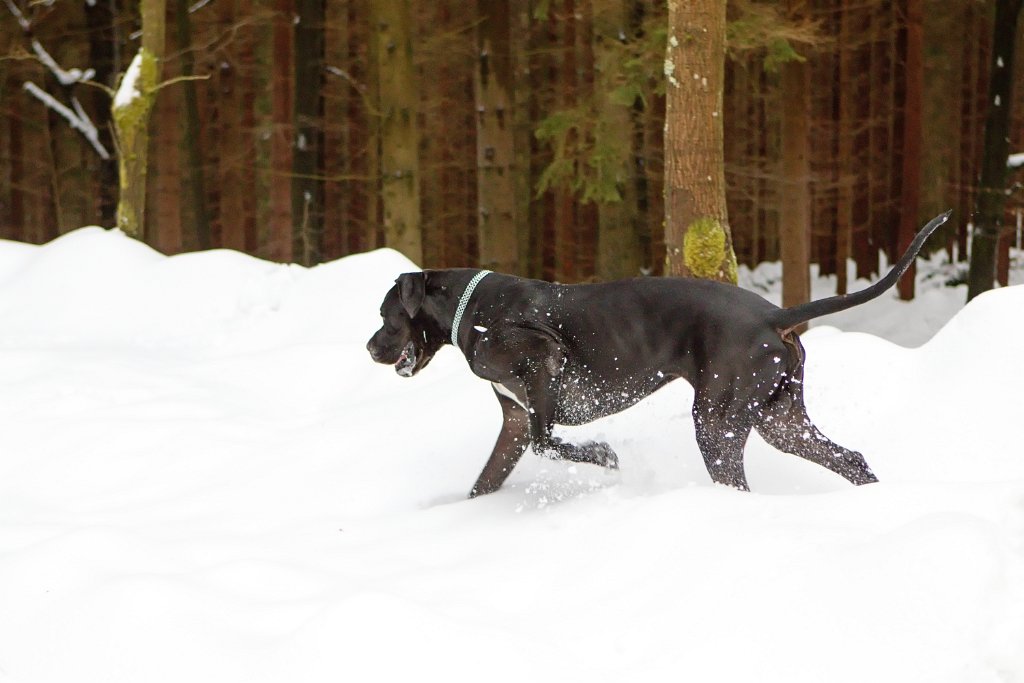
x,y
131,121
102,39
913,102
794,191
280,226
337,164
229,85
307,188
520,43
698,241
567,233
495,143
618,245
845,164
399,131
992,193
165,218
193,184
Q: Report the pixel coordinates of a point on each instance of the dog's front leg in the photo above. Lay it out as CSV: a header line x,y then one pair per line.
x,y
542,390
511,443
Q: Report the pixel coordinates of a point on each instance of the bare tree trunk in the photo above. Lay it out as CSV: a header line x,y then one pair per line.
x,y
399,132
131,119
520,41
165,217
16,207
229,84
338,192
912,137
281,220
370,228
618,244
102,40
794,191
567,232
992,193
193,184
493,85
845,165
697,236
307,188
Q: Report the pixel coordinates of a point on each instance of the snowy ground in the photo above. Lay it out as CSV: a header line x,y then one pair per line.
x,y
204,478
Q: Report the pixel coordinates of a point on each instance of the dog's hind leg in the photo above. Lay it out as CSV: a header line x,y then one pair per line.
x,y
721,436
786,426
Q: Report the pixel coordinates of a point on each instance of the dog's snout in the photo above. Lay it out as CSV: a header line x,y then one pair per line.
x,y
372,348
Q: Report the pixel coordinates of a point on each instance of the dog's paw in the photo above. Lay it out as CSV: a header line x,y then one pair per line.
x,y
602,454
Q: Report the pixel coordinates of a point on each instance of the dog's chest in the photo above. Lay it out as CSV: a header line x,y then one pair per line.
x,y
508,393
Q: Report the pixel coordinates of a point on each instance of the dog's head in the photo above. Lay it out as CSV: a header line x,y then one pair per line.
x,y
410,335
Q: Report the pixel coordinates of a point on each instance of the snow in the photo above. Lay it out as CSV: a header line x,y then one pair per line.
x,y
77,118
1015,160
64,77
128,91
19,16
203,477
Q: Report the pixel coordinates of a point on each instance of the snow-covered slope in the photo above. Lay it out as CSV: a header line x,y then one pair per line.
x,y
204,478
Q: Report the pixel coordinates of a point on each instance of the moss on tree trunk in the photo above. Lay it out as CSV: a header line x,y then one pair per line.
x,y
707,252
131,122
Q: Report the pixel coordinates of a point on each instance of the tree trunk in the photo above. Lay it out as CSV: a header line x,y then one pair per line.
x,y
697,237
794,192
307,188
337,164
567,233
399,132
912,136
229,84
278,242
992,193
131,119
15,213
520,42
193,184
494,92
165,200
618,244
102,39
845,164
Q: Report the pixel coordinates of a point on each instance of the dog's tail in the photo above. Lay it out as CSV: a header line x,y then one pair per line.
x,y
788,318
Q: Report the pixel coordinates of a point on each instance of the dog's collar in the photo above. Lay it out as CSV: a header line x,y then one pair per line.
x,y
464,301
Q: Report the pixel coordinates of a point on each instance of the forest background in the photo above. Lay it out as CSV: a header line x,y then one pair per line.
x,y
521,135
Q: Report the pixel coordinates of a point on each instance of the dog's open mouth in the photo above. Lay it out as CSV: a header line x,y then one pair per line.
x,y
407,361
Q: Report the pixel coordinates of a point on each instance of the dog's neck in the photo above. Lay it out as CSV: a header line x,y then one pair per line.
x,y
460,307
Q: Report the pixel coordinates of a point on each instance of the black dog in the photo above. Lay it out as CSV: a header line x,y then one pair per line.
x,y
569,354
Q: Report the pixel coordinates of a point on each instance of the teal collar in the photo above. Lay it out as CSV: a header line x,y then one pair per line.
x,y
463,302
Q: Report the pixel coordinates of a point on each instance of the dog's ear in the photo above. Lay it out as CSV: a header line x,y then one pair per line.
x,y
412,287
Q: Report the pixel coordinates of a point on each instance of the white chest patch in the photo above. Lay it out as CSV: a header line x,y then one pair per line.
x,y
507,393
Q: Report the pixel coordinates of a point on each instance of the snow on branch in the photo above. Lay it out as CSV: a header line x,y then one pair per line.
x,y
78,119
63,77
1015,160
129,89
24,23
75,115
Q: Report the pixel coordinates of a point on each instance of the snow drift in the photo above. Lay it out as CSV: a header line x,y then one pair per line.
x,y
203,477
